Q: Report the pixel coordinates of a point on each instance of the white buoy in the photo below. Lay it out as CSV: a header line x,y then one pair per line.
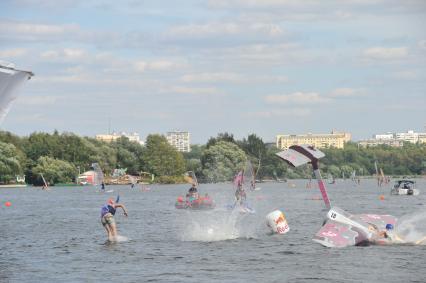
x,y
277,222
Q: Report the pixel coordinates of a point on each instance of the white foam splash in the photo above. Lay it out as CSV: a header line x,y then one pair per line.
x,y
119,239
209,227
411,228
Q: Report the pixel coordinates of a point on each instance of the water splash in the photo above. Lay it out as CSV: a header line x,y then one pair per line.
x,y
118,239
411,228
213,226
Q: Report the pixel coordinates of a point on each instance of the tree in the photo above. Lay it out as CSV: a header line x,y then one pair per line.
x,y
10,166
222,161
255,148
334,171
161,158
129,155
220,137
54,170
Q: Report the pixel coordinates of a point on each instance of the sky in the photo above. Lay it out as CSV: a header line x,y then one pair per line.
x,y
266,67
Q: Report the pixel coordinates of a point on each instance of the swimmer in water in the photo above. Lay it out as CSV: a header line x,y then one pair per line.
x,y
383,237
107,218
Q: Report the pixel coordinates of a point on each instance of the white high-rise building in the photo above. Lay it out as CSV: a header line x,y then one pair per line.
x,y
180,140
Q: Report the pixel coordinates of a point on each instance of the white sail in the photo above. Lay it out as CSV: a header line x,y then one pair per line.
x,y
191,178
10,82
132,180
44,181
98,177
248,177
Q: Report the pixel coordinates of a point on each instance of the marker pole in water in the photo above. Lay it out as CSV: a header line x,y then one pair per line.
x,y
321,184
298,155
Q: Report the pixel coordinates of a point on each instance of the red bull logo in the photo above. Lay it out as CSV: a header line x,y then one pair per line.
x,y
280,219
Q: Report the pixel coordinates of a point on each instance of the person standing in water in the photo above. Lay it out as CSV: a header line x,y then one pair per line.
x,y
107,218
103,186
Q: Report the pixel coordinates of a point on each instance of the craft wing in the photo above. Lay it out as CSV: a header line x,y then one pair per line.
x,y
337,235
10,82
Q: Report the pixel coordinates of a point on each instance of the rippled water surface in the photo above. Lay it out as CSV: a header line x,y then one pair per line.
x,y
56,236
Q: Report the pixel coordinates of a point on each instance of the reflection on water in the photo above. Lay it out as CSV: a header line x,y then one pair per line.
x,y
57,236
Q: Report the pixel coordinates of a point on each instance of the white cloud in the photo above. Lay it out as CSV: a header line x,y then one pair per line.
x,y
74,53
12,53
33,31
262,55
71,79
50,54
159,65
405,75
422,44
140,66
288,112
223,77
212,78
225,29
256,3
205,30
269,29
297,98
49,4
36,100
191,90
384,53
346,92
15,31
66,54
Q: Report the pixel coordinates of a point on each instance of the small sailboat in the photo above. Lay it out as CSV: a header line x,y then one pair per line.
x,y
249,177
330,179
98,177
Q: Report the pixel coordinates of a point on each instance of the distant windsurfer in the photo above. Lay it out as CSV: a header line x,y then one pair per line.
x,y
252,185
107,218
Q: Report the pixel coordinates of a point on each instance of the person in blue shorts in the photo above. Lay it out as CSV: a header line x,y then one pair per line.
x,y
107,218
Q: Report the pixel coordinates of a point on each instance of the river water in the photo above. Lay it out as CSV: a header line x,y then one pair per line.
x,y
56,236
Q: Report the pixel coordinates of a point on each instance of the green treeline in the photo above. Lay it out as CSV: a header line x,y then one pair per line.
x,y
59,157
